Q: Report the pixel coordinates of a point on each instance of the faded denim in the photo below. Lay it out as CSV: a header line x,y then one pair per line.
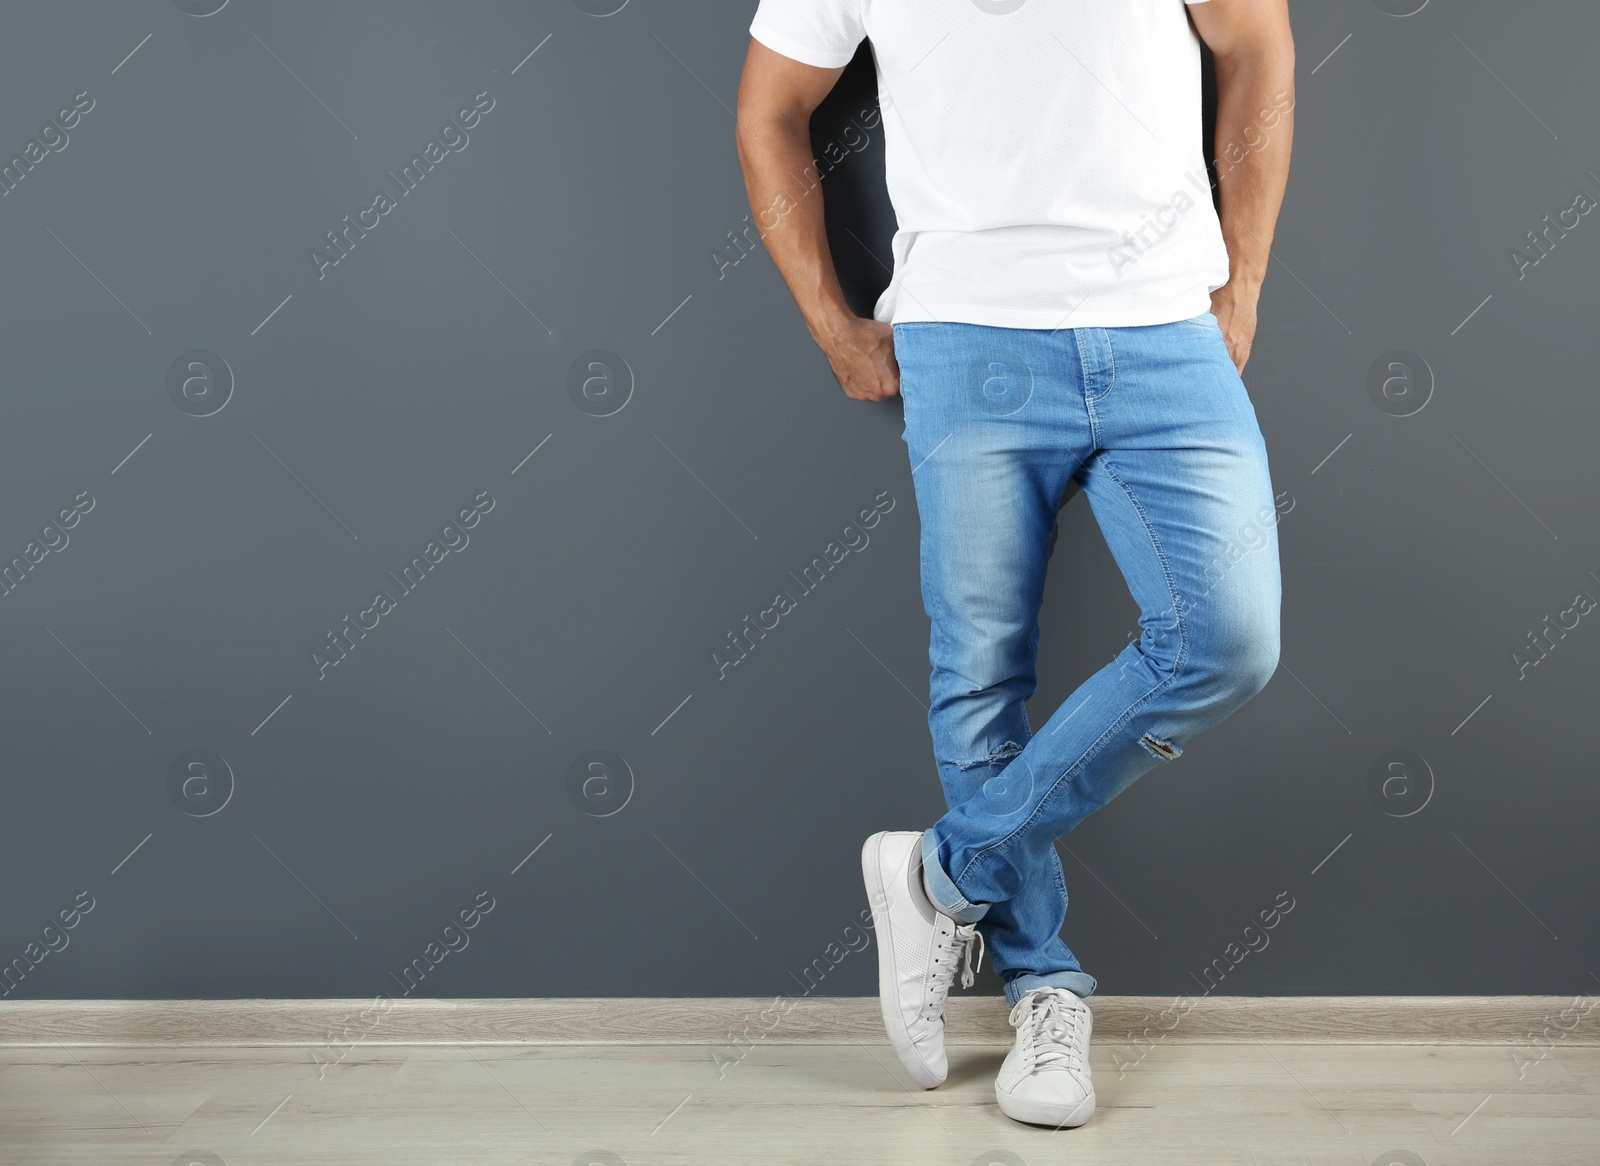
x,y
1156,427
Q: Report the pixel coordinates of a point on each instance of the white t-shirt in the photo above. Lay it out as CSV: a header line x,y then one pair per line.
x,y
1044,157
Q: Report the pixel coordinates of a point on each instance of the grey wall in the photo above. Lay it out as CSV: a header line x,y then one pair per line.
x,y
360,811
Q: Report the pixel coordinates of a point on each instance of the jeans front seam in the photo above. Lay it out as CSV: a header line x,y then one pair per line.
x,y
1112,353
1083,379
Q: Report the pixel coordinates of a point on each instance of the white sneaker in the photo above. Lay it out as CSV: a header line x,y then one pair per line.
x,y
918,949
1045,1079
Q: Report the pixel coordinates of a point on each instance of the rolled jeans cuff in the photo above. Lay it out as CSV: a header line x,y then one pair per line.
x,y
942,890
1080,983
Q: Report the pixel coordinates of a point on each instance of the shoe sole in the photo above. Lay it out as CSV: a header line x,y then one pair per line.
x,y
888,976
1043,1113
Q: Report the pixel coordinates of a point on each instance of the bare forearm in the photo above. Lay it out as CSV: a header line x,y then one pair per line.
x,y
1254,135
786,204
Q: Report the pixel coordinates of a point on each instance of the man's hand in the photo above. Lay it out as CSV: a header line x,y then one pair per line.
x,y
1235,310
861,354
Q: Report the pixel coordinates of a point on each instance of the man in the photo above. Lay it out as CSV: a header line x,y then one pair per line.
x,y
1066,310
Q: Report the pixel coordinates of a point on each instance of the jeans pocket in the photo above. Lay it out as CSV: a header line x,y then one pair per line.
x,y
1206,320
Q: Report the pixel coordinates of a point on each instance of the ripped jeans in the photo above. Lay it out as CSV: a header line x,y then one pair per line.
x,y
1156,428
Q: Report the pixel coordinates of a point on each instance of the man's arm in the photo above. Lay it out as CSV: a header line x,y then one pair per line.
x,y
1254,51
776,98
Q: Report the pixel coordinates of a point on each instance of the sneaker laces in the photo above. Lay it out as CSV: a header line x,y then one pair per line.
x,y
1051,1023
948,945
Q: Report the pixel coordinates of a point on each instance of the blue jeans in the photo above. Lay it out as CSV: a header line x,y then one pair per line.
x,y
1156,428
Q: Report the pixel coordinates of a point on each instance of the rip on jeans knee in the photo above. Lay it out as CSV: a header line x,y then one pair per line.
x,y
1003,754
1165,750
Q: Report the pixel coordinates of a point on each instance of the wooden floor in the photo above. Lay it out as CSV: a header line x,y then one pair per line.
x,y
819,1105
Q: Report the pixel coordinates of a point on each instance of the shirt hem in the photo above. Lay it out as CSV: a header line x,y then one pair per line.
x,y
1167,312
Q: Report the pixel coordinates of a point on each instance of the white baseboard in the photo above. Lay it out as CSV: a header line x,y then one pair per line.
x,y
720,1021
